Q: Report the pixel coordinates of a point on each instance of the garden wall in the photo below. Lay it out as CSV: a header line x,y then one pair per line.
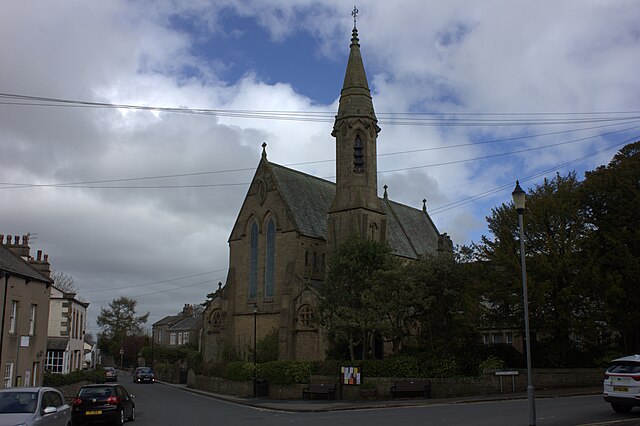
x,y
487,384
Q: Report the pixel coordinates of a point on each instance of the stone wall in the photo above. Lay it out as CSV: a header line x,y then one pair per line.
x,y
487,384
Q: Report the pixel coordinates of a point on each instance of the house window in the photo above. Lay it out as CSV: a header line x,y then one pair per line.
x,y
305,314
185,337
306,258
8,374
32,320
179,338
53,362
497,338
269,274
159,336
253,262
358,155
508,338
486,338
13,317
172,339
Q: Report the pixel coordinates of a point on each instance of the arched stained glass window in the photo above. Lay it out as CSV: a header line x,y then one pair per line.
x,y
253,262
270,261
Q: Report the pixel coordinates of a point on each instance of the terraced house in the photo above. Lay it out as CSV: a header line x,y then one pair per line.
x,y
26,288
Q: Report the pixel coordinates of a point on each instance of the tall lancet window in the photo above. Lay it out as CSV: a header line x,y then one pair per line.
x,y
270,261
358,155
253,263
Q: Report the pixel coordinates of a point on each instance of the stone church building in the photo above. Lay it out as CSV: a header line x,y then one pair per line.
x,y
290,222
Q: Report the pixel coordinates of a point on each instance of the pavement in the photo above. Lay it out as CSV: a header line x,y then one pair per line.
x,y
305,405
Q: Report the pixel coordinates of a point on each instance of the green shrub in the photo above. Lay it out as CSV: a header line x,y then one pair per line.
x,y
491,363
299,372
163,368
239,371
445,367
56,379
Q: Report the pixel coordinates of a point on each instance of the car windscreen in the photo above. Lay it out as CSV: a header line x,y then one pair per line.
x,y
624,367
96,392
144,370
18,402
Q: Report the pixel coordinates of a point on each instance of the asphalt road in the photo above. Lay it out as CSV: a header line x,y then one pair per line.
x,y
158,404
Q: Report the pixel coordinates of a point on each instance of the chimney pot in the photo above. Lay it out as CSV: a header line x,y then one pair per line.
x,y
39,255
46,258
16,240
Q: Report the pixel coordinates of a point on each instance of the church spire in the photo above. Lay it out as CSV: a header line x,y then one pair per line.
x,y
356,208
355,97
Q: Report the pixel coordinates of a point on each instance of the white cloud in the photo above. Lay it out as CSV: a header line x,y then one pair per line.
x,y
453,57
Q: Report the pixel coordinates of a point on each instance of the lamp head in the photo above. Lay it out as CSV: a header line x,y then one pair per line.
x,y
519,197
255,308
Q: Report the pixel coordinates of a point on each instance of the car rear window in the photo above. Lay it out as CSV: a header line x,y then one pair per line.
x,y
624,367
96,392
144,370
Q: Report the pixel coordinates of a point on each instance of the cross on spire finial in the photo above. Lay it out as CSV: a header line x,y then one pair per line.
x,y
354,13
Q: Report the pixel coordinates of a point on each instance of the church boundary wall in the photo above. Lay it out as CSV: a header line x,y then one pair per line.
x,y
487,384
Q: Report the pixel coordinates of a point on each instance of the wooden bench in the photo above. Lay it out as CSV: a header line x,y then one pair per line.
x,y
325,390
409,388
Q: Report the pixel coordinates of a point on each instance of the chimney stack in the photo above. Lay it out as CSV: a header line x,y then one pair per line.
x,y
41,264
19,248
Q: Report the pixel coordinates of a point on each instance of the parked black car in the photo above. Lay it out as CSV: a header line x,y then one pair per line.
x,y
103,402
143,375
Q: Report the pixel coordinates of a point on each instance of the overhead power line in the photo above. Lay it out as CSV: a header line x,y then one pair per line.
x,y
449,206
154,282
391,118
92,184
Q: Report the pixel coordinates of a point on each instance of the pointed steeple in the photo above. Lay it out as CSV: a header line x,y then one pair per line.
x,y
356,208
355,97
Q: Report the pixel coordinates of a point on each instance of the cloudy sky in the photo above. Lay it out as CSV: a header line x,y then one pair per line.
x,y
140,202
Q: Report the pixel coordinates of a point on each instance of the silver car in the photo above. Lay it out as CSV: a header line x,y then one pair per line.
x,y
33,406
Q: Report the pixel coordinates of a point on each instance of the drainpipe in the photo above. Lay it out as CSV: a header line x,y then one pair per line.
x,y
4,310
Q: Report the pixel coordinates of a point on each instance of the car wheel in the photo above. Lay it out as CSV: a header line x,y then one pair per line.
x,y
133,414
120,419
620,408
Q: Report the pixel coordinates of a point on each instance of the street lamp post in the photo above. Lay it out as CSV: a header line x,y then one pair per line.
x,y
518,200
255,360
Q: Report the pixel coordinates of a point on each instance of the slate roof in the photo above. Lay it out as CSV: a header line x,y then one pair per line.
x,y
410,232
168,320
189,323
12,263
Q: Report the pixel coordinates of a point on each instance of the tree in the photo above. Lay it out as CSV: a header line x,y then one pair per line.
x,y
348,306
440,303
612,206
394,297
64,282
561,304
119,321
